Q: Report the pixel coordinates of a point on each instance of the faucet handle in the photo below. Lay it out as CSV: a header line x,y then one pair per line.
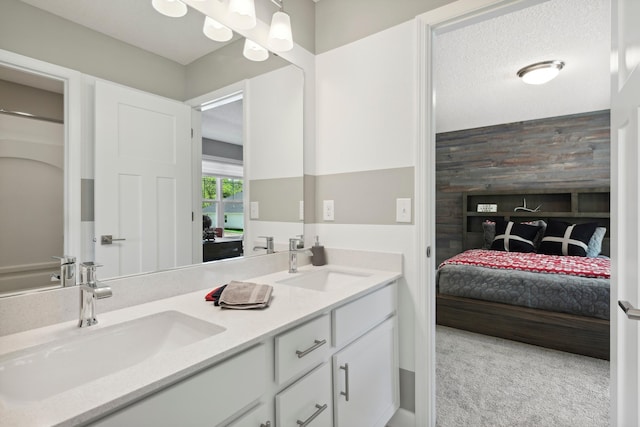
x,y
88,272
269,238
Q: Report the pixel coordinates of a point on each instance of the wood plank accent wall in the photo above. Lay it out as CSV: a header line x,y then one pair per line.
x,y
566,152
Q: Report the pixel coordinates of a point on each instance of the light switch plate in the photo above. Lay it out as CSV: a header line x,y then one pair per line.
x,y
301,212
403,210
255,210
327,210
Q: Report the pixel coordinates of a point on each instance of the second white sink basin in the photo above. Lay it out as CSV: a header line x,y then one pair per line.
x,y
42,371
323,280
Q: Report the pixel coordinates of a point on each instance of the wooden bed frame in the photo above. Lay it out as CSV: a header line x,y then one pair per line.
x,y
566,332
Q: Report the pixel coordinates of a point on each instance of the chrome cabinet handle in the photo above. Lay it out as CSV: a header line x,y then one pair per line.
x,y
316,344
631,312
345,393
107,239
313,416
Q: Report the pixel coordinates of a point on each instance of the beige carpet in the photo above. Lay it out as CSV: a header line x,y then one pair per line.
x,y
486,381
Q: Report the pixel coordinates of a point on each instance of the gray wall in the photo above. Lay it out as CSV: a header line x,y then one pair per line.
x,y
27,99
225,150
567,152
38,34
32,32
339,22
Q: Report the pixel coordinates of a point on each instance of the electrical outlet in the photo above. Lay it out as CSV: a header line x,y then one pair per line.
x,y
254,210
327,210
301,211
403,210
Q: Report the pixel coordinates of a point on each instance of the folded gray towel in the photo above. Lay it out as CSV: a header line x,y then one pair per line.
x,y
245,295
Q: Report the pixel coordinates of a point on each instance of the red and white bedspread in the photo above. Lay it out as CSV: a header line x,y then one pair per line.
x,y
539,263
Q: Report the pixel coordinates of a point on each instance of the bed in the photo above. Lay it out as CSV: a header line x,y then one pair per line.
x,y
557,297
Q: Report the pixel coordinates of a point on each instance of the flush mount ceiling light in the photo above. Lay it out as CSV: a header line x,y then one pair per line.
x,y
540,72
242,14
280,38
254,52
216,31
171,8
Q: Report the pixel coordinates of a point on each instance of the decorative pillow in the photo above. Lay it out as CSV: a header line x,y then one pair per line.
x,y
512,237
489,228
562,238
595,244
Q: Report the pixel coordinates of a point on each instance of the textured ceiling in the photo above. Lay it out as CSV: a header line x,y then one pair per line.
x,y
475,67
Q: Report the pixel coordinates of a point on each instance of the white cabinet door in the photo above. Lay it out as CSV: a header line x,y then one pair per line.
x,y
366,379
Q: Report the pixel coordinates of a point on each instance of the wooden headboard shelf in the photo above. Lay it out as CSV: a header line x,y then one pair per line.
x,y
575,205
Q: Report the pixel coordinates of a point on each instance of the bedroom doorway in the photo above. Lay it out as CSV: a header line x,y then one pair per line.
x,y
507,114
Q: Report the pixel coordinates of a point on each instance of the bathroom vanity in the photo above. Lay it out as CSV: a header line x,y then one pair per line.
x,y
324,353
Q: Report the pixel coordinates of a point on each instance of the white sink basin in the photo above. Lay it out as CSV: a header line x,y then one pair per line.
x,y
42,371
323,280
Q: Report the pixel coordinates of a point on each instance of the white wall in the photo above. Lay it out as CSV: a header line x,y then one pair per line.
x,y
366,120
273,152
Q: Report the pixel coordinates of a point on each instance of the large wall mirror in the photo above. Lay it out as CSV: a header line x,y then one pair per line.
x,y
258,176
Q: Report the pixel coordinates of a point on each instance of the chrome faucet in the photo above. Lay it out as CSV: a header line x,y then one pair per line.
x,y
90,290
268,246
67,276
296,245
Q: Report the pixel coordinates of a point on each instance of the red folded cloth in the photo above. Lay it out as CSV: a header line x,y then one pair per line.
x,y
214,295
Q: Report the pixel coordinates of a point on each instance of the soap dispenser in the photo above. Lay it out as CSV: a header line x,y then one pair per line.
x,y
317,251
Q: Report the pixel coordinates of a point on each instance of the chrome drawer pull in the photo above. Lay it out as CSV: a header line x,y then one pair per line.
x,y
313,416
316,344
345,393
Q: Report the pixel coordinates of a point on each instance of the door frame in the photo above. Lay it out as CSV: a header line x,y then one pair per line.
x,y
73,118
449,17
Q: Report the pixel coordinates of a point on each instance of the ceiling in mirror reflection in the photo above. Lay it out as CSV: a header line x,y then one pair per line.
x,y
131,21
223,123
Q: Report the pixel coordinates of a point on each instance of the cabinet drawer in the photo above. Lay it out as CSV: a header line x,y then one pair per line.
x,y
205,399
352,320
309,401
256,417
302,348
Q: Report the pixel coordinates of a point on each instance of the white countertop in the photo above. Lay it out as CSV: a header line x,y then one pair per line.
x,y
289,306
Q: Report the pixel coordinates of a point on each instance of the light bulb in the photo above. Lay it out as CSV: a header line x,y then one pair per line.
x,y
280,38
242,14
216,31
254,52
171,8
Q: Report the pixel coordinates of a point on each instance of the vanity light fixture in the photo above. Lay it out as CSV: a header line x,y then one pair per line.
x,y
216,31
242,14
540,72
280,37
254,52
171,8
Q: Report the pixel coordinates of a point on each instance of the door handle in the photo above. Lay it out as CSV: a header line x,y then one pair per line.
x,y
629,310
107,239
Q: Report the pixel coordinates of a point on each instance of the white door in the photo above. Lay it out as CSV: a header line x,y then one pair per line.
x,y
142,181
363,372
625,180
